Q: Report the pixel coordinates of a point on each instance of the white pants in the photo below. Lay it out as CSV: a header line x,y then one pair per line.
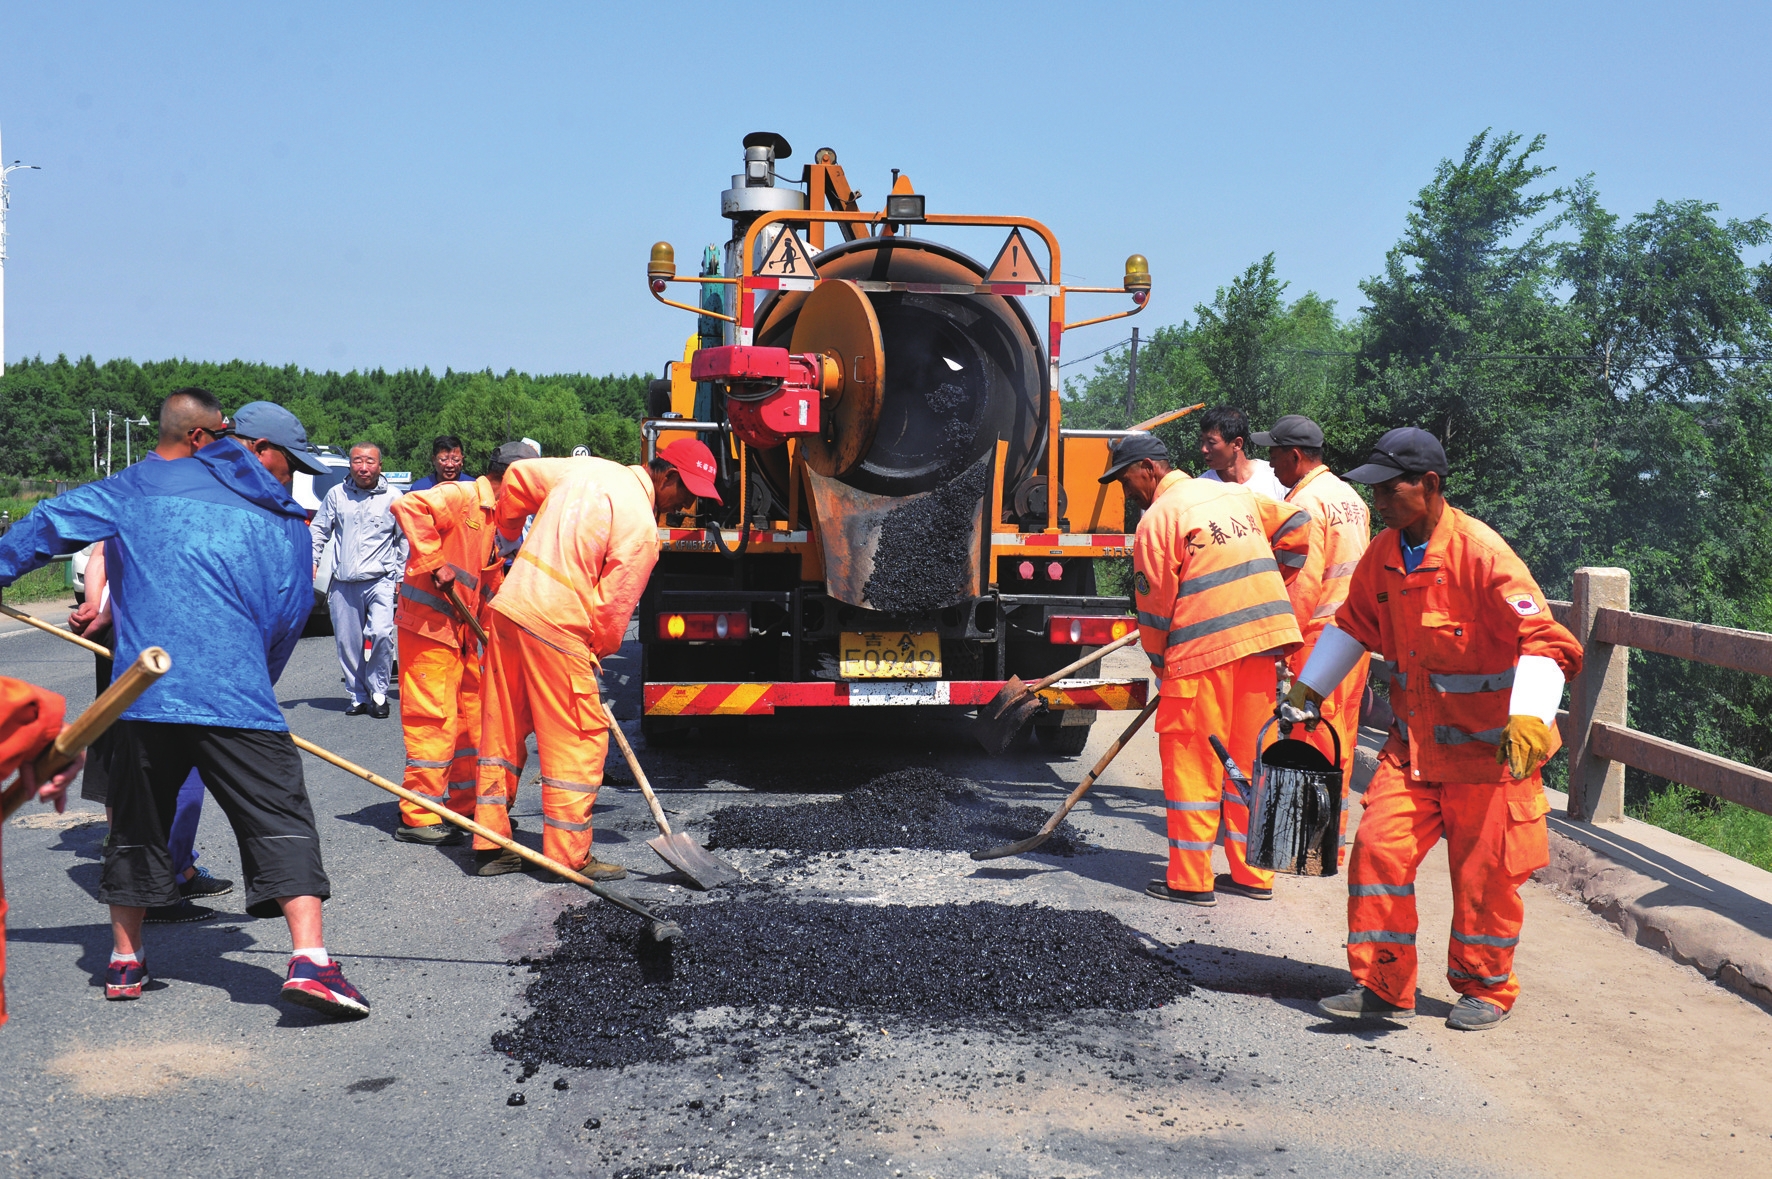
x,y
360,610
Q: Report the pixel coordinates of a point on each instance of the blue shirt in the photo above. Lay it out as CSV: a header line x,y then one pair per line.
x,y
1413,554
213,564
430,481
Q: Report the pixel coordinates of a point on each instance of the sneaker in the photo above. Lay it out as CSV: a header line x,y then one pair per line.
x,y
1228,883
323,989
1161,890
496,862
434,834
1360,1003
179,914
204,885
125,980
1472,1014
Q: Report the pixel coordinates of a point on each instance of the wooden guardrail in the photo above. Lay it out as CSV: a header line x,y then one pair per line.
x,y
1596,728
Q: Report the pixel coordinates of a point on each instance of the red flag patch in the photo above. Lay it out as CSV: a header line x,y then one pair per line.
x,y
1523,604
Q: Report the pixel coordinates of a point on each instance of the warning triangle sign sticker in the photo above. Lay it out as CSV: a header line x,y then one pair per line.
x,y
788,258
1014,263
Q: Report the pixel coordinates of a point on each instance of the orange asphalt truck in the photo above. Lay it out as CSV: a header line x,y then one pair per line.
x,y
906,523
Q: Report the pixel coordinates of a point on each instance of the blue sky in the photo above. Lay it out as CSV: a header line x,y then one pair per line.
x,y
350,186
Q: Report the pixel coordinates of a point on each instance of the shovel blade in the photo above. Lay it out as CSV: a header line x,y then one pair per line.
x,y
703,869
1005,716
1013,849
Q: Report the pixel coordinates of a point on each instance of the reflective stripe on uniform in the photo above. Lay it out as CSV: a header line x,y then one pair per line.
x,y
1488,980
1490,682
1479,939
470,751
1327,609
1402,726
1236,837
1291,560
1381,935
1295,520
499,761
490,799
1191,845
463,576
1381,890
1171,804
1146,618
1231,621
1156,661
1218,577
575,787
419,763
1452,735
563,825
1345,569
428,794
413,594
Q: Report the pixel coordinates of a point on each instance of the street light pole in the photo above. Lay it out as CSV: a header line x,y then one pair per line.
x,y
6,203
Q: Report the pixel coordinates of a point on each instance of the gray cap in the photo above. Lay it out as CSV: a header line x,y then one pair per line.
x,y
1292,430
1126,450
512,452
1403,451
274,424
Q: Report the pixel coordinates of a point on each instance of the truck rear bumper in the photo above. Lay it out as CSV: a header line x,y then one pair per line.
x,y
739,699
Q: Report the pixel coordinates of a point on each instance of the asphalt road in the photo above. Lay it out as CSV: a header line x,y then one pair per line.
x,y
209,1075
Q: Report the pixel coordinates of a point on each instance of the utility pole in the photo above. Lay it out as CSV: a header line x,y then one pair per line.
x,y
6,203
1132,382
94,443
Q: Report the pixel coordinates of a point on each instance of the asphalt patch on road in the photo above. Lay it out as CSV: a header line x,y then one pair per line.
x,y
831,974
926,553
914,808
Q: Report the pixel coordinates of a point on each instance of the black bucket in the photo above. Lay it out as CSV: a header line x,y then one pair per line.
x,y
1295,814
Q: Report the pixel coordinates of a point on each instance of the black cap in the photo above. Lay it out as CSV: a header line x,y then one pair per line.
x,y
511,452
1292,430
1128,449
1403,451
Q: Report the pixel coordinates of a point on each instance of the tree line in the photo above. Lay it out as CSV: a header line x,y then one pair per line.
x,y
1603,386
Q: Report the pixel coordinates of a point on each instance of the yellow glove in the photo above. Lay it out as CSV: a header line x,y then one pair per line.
x,y
1525,745
1300,704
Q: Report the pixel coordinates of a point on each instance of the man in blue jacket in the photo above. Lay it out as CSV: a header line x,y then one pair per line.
x,y
215,561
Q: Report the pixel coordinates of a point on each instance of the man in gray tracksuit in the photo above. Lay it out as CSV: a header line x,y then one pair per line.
x,y
371,562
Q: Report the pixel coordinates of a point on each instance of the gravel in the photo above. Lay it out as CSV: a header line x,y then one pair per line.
x,y
912,808
926,554
840,975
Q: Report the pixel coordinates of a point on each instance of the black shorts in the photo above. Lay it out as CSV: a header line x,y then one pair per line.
x,y
255,776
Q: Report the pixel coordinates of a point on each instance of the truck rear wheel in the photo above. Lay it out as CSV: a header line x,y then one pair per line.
x,y
1062,741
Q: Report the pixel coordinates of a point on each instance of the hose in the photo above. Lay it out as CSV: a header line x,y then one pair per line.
x,y
744,527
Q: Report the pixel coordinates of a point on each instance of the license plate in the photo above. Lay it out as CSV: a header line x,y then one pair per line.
x,y
890,655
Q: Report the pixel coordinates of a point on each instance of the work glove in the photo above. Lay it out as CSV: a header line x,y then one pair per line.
x,y
1525,745
1301,703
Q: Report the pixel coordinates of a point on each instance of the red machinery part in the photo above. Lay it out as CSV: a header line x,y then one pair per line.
x,y
1071,630
704,627
772,393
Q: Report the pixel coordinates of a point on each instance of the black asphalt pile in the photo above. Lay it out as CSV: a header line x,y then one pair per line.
x,y
833,974
914,808
926,553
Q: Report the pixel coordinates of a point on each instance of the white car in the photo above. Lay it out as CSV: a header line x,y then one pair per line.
x,y
308,491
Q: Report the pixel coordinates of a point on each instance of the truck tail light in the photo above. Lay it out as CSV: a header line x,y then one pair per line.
x,y
1073,631
729,625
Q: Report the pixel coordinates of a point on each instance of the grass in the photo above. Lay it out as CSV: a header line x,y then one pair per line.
x,y
49,582
1730,828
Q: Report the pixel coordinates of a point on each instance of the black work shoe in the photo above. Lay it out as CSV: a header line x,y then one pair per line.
x,y
434,834
379,711
204,885
1224,882
357,708
1360,1003
494,862
1161,890
599,870
178,914
1472,1014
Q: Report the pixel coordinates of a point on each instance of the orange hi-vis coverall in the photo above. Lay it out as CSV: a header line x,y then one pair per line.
x,y
30,718
449,525
1451,634
1341,528
1209,565
563,608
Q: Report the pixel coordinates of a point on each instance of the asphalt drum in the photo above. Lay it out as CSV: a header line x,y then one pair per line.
x,y
1295,810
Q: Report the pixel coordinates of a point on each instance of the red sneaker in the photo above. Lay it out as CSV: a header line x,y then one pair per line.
x,y
124,980
323,989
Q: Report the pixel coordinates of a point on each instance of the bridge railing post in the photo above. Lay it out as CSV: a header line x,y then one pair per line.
x,y
1600,693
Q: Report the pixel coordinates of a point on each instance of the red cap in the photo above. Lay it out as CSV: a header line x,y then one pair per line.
x,y
695,466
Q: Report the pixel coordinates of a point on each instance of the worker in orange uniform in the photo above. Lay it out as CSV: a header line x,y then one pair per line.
x,y
1477,667
30,718
563,608
448,526
1340,531
1213,612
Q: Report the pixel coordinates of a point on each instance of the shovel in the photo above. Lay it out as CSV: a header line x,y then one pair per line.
x,y
474,623
679,849
1015,702
1045,833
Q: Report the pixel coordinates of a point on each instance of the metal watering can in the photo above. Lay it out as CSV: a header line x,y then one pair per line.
x,y
1294,804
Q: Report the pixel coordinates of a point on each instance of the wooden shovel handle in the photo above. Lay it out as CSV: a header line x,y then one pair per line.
x,y
1101,766
1125,640
627,751
461,609
57,631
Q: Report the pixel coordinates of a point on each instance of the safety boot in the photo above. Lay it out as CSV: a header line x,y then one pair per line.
x,y
494,862
1225,882
1472,1014
1161,890
600,870
1361,1003
432,834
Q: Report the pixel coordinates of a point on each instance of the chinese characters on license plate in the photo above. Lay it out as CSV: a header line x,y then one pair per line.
x,y
890,655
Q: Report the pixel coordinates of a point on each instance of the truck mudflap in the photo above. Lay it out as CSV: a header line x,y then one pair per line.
x,y
764,699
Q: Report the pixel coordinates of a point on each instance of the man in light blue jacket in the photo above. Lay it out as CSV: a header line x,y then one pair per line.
x,y
371,562
213,558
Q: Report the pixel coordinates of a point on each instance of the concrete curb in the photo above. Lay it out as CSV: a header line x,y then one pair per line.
x,y
1686,901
